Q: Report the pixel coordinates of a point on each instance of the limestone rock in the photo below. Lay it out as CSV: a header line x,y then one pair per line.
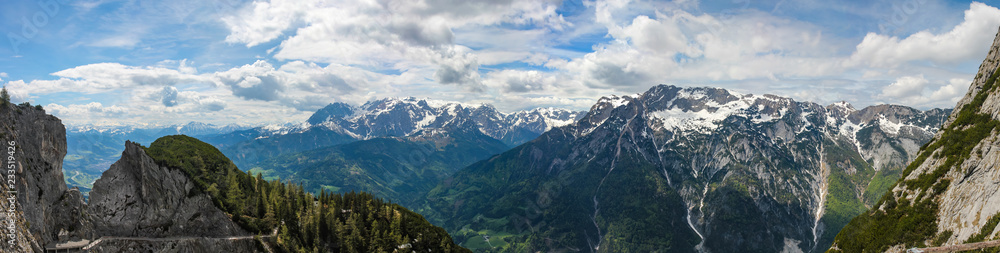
x,y
136,197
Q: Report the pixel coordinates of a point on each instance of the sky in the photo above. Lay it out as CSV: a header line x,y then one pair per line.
x,y
120,62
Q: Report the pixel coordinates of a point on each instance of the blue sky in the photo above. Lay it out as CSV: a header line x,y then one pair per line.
x,y
268,61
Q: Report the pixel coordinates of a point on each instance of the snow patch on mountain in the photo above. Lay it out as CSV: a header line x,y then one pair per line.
x,y
408,116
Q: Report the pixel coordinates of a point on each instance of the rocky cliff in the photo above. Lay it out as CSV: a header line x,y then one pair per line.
x,y
949,194
35,144
137,198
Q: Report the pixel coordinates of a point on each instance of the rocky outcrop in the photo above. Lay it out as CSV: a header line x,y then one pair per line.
x,y
137,198
949,194
973,196
44,205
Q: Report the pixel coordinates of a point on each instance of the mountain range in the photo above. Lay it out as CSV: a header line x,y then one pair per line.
x,y
93,148
711,169
686,169
402,169
715,170
341,123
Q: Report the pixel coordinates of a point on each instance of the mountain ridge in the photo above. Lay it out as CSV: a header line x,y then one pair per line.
x,y
683,140
340,123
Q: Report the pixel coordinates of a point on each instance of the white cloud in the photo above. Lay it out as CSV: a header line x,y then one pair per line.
x,y
264,21
101,78
93,111
305,86
905,87
948,95
916,90
123,40
519,81
679,47
392,34
967,41
212,104
515,54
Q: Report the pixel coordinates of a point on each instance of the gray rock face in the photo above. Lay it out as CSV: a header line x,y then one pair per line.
x,y
45,205
973,195
137,198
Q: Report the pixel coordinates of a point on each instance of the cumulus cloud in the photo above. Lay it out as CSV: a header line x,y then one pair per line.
x,y
264,21
212,104
966,41
169,96
86,112
457,66
677,46
306,86
949,94
408,35
905,87
257,81
103,77
519,81
917,90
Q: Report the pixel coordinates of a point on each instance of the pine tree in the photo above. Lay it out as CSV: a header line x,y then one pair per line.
x,y
234,195
4,95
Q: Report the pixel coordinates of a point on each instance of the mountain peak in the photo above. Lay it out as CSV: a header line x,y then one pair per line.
x,y
842,106
337,110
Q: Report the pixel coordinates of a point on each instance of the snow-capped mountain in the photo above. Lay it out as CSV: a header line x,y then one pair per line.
x,y
724,171
340,123
192,128
405,116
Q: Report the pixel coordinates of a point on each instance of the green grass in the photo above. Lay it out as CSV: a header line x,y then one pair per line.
x,y
330,188
474,239
880,184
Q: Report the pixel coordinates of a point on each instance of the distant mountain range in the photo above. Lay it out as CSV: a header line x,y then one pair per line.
x,y
340,123
402,169
685,169
92,149
718,170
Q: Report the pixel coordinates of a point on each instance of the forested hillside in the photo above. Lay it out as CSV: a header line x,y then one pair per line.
x,y
352,222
